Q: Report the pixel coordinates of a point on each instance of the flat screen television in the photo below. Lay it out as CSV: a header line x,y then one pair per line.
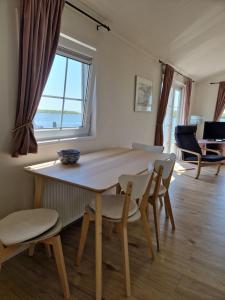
x,y
214,131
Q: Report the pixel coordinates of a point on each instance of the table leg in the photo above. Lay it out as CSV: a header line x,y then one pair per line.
x,y
98,245
39,186
203,149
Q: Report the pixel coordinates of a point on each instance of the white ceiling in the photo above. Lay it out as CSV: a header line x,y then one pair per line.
x,y
190,34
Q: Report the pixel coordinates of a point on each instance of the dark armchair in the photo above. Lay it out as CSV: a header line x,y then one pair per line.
x,y
191,152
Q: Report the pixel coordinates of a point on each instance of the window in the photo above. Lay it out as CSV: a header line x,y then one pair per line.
x,y
222,119
64,109
173,117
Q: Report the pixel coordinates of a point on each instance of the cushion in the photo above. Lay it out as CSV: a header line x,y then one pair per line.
x,y
186,129
26,224
47,234
112,206
212,157
185,138
191,158
206,158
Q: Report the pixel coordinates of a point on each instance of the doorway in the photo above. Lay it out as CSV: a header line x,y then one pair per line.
x,y
173,117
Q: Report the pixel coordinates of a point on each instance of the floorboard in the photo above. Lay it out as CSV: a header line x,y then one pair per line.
x,y
190,265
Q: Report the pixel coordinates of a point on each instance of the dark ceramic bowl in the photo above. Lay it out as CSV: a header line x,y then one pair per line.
x,y
69,156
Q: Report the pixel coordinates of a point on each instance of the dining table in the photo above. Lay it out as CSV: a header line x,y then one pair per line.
x,y
97,172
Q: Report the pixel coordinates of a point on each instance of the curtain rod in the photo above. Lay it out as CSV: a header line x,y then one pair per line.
x,y
100,24
218,82
161,62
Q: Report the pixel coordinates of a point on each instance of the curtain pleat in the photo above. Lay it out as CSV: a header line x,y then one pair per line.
x,y
167,83
220,103
187,100
39,34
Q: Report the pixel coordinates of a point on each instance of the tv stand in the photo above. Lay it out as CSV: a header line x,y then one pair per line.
x,y
214,144
211,141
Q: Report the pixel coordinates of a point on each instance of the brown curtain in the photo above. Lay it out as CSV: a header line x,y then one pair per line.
x,y
187,100
39,34
220,103
167,83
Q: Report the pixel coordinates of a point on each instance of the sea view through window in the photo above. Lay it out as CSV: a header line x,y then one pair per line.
x,y
63,102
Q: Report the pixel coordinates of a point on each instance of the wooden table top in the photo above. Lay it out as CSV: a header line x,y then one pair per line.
x,y
98,171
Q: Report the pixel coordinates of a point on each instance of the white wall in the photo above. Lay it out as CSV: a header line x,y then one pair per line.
x,y
117,123
205,99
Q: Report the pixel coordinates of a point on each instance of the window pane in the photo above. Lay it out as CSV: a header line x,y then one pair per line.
x,y
223,117
55,83
62,101
72,115
172,118
85,75
76,83
48,114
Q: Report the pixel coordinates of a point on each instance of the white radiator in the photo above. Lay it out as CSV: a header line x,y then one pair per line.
x,y
69,201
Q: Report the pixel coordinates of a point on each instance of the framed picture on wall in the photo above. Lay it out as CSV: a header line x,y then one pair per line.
x,y
143,94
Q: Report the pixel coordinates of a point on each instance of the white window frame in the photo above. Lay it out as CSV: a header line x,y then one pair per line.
x,y
180,86
176,85
43,135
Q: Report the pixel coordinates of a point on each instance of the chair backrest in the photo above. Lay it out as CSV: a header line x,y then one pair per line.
x,y
150,148
139,184
168,166
186,138
137,187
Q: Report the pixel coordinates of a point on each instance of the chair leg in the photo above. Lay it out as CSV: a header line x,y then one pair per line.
x,y
110,224
169,209
83,237
118,228
48,250
166,212
147,211
126,260
1,250
218,169
160,201
198,171
147,232
31,249
59,259
156,221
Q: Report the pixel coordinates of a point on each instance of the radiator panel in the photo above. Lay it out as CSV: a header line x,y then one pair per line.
x,y
69,201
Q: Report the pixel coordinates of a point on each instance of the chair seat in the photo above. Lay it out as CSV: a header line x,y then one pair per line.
x,y
191,158
24,225
212,157
206,158
48,234
162,189
112,206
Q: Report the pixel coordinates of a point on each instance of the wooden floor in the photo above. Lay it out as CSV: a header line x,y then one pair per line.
x,y
190,266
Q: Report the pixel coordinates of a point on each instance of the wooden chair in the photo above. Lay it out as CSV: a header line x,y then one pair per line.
x,y
191,152
122,209
150,148
168,166
24,229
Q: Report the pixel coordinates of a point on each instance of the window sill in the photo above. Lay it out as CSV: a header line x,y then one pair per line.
x,y
65,140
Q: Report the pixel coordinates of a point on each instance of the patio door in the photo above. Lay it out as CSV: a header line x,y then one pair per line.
x,y
173,117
